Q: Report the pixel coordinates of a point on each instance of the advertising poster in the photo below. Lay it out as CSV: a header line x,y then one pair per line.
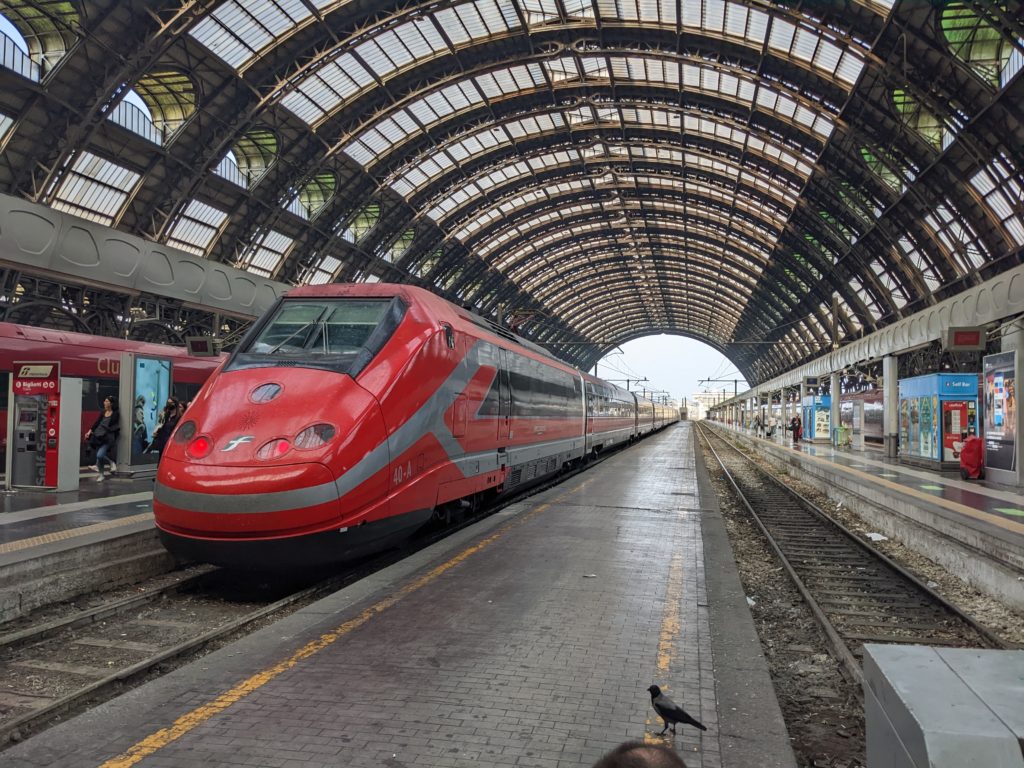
x,y
152,388
904,427
925,426
1000,412
914,449
821,422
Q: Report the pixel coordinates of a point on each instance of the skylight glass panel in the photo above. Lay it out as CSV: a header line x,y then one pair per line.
x,y
228,169
320,93
384,53
264,256
851,316
237,30
321,273
324,91
560,70
196,228
879,6
95,189
959,239
1002,193
5,125
914,255
539,11
819,53
535,125
849,68
513,80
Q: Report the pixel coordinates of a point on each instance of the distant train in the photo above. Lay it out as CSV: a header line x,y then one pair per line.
x,y
94,359
353,415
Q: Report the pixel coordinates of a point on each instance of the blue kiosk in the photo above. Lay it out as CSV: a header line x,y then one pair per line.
x,y
816,415
935,413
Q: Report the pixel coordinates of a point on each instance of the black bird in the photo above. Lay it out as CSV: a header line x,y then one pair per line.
x,y
670,712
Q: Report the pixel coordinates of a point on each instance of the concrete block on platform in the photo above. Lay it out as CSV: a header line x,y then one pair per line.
x,y
943,708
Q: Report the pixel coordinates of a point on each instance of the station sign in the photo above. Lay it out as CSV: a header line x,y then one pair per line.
x,y
203,346
36,378
969,339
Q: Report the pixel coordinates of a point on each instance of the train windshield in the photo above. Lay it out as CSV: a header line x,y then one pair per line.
x,y
342,335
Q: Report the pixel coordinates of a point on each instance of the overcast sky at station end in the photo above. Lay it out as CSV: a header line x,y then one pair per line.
x,y
671,363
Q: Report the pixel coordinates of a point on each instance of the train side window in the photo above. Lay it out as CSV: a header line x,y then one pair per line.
x,y
449,335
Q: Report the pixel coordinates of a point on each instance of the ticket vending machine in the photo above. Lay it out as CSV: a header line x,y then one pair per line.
x,y
44,423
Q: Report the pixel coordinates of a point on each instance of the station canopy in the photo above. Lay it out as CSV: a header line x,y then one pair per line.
x,y
770,178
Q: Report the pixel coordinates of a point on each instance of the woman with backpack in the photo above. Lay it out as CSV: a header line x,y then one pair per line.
x,y
102,436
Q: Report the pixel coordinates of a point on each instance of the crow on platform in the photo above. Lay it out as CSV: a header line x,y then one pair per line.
x,y
670,712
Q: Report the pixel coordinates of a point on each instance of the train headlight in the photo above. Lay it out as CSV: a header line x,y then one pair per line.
x,y
272,450
314,436
185,432
200,447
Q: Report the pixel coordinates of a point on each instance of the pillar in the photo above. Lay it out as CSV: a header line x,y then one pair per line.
x,y
835,389
890,406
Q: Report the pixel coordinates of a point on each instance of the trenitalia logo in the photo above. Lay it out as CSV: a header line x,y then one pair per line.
x,y
35,371
235,442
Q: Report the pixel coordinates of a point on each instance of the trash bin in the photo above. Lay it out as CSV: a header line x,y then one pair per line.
x,y
842,436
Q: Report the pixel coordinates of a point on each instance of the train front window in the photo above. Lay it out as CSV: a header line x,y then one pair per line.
x,y
338,334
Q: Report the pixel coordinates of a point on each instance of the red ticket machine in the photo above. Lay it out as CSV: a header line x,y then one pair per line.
x,y
45,407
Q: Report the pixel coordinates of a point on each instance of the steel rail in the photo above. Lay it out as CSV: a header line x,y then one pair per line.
x,y
840,647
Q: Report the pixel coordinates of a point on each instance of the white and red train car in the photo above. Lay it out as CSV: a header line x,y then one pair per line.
x,y
351,415
94,359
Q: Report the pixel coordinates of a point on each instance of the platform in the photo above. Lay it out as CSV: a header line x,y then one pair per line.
x,y
528,639
973,528
56,546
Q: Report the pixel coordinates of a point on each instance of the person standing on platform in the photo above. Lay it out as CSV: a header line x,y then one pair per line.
x,y
172,414
102,436
796,427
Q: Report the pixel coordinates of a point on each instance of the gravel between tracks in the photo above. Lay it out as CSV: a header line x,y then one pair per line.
x,y
996,616
822,710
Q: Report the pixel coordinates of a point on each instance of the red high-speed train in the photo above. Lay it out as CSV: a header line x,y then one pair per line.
x,y
94,359
351,415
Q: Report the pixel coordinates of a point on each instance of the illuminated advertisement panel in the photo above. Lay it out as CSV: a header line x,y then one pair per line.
x,y
1000,412
152,389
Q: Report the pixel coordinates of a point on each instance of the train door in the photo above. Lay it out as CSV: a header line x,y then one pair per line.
x,y
504,400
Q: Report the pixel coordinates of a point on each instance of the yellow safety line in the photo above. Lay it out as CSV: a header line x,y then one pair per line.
x,y
670,629
49,538
953,506
200,715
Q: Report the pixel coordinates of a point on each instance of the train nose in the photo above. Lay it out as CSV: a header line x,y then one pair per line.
x,y
275,453
275,417
191,497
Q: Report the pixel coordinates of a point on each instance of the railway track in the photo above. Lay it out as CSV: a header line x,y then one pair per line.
x,y
63,665
857,594
50,668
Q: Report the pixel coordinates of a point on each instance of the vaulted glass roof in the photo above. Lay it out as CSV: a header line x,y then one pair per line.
x,y
598,169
